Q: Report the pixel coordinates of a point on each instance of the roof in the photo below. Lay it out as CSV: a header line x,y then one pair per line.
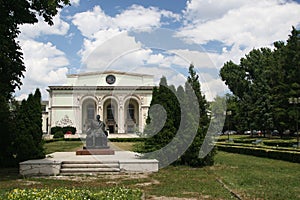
x,y
107,72
101,87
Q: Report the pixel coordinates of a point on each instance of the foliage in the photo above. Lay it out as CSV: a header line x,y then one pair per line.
x,y
74,194
183,133
7,131
14,13
58,134
191,156
292,156
126,139
261,85
165,97
28,143
64,130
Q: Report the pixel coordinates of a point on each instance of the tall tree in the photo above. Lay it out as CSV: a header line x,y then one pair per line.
x,y
263,82
12,14
191,156
29,143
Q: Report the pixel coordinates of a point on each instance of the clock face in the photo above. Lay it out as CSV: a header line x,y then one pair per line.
x,y
110,79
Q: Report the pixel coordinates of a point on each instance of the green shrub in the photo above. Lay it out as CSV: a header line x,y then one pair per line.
x,y
279,143
55,129
73,194
63,129
59,134
292,156
69,128
127,139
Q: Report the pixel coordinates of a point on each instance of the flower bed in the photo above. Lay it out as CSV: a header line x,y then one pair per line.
x,y
73,194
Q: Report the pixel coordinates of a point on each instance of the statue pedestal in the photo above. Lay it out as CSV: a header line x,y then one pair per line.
x,y
105,151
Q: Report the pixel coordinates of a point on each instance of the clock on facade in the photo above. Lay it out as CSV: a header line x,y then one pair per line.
x,y
110,79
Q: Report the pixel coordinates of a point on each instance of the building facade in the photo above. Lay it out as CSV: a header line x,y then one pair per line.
x,y
121,99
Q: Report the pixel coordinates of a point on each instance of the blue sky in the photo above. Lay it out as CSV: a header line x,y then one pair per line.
x,y
159,37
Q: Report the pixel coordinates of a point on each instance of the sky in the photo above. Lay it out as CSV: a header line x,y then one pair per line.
x,y
157,37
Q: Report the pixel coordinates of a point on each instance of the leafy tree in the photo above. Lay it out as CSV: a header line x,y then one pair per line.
x,y
263,82
14,13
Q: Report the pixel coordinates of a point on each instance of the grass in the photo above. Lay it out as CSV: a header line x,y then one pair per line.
x,y
62,146
248,176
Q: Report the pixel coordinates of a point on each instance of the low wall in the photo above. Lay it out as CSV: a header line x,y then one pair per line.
x,y
139,165
41,167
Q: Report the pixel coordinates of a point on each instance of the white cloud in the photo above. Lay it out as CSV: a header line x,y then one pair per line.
x,y
121,48
59,27
253,23
75,2
45,65
107,42
199,59
135,17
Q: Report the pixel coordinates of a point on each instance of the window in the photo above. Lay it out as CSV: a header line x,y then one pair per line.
x,y
110,112
90,111
130,112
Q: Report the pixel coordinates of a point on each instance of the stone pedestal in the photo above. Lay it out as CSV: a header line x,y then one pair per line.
x,y
103,151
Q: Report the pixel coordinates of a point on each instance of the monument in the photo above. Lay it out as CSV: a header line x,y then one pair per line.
x,y
96,139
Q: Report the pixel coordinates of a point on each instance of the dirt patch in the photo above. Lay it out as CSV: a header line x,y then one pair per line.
x,y
27,182
169,198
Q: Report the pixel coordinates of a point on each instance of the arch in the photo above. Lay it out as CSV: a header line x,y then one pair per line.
x,y
88,111
132,114
110,113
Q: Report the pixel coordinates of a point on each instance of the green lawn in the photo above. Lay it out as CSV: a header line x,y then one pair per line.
x,y
248,176
62,146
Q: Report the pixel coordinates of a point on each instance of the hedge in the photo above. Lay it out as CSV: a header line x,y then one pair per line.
x,y
279,143
260,146
63,129
126,139
292,156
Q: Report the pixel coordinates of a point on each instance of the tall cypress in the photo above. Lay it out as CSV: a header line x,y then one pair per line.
x,y
28,143
191,156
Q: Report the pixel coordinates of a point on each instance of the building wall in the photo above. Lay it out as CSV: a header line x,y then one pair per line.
x,y
67,104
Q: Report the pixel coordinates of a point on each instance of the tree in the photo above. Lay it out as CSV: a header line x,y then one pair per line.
x,y
28,142
12,14
191,156
162,98
263,82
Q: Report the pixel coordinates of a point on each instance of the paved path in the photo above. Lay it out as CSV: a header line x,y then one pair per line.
x,y
71,156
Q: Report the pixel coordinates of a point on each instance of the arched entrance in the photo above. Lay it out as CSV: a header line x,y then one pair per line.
x,y
88,112
131,116
110,115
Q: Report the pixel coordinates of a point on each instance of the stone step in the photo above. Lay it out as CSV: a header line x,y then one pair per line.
x,y
90,165
90,162
88,170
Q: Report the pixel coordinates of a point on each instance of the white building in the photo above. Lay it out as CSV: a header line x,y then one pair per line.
x,y
121,99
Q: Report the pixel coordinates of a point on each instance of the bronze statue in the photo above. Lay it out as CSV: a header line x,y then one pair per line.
x,y
96,135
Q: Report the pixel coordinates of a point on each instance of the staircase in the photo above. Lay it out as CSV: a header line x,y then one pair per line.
x,y
89,167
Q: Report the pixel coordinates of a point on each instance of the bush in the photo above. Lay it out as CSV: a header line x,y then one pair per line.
x,y
74,194
63,129
127,139
292,156
279,143
59,134
69,128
